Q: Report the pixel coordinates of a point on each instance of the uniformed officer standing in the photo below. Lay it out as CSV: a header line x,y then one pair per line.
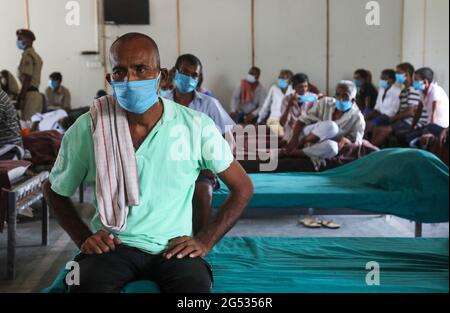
x,y
29,101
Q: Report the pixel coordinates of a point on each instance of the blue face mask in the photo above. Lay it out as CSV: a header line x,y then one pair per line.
x,y
307,99
419,85
384,84
136,96
400,78
344,106
357,82
20,44
53,84
283,83
184,83
251,79
164,93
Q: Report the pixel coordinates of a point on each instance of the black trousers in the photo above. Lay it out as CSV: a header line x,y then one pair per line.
x,y
428,129
110,272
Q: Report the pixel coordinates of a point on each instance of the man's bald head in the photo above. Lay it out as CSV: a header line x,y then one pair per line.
x,y
134,56
135,40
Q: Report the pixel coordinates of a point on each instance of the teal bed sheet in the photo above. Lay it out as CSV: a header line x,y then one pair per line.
x,y
408,183
322,265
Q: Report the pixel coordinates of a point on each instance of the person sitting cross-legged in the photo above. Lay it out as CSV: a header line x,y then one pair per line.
x,y
332,123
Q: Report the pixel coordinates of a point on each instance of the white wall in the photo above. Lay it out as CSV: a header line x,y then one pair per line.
x,y
60,47
413,32
354,44
219,33
436,40
58,44
9,23
288,34
425,37
291,34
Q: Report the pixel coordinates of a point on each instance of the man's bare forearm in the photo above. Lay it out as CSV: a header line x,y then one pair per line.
x,y
294,142
241,191
67,216
372,115
404,114
433,112
417,114
226,218
283,118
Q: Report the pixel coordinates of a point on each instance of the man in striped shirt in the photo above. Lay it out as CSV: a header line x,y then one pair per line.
x,y
9,123
403,122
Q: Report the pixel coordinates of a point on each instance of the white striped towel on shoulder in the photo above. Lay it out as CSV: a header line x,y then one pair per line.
x,y
117,180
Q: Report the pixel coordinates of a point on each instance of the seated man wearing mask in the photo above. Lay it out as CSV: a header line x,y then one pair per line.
x,y
272,105
366,97
402,122
58,96
434,100
143,154
188,71
388,102
248,98
296,105
167,85
331,123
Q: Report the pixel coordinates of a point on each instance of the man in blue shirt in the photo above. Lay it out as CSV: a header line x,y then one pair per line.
x,y
188,72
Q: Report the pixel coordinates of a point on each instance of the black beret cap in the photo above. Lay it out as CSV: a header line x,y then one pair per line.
x,y
27,33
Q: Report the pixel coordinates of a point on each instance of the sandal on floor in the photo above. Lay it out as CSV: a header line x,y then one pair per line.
x,y
310,223
330,224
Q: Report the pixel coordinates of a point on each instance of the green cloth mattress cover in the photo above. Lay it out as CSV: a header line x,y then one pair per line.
x,y
323,265
408,183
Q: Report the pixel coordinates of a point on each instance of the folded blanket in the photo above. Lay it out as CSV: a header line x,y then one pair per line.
x,y
409,183
117,181
11,152
43,146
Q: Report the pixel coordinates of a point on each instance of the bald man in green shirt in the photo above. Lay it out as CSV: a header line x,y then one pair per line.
x,y
158,243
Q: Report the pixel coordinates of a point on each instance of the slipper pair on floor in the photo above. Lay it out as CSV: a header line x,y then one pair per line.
x,y
316,223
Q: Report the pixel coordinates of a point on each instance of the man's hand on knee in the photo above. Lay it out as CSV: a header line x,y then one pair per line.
x,y
185,246
99,243
343,141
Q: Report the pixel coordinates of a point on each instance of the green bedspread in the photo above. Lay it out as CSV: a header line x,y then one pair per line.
x,y
408,183
274,265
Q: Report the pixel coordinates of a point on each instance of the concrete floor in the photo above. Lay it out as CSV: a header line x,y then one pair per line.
x,y
37,266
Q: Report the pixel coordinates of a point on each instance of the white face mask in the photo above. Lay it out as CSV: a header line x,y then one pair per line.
x,y
3,81
251,79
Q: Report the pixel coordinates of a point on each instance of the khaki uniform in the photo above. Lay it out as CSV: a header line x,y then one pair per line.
x,y
31,65
58,99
